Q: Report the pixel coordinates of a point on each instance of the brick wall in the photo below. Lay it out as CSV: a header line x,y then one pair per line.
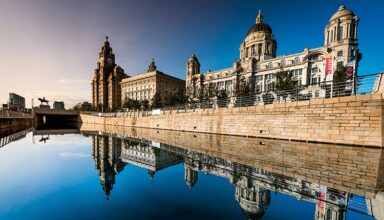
x,y
353,120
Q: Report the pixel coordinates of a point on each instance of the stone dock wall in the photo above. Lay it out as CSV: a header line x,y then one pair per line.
x,y
6,123
352,120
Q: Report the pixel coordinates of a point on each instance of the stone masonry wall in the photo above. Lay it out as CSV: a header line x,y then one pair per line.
x,y
353,120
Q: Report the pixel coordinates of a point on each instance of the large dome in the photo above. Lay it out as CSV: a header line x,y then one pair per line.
x,y
341,13
260,26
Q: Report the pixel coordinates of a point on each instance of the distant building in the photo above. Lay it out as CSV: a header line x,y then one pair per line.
x,y
258,63
16,102
145,86
106,90
58,105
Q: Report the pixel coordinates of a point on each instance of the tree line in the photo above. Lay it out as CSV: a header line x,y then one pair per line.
x,y
285,85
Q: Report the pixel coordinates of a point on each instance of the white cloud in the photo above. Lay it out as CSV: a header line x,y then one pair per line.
x,y
72,155
73,81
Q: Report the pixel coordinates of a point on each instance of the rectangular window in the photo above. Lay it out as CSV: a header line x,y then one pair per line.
x,y
340,64
317,93
340,33
340,53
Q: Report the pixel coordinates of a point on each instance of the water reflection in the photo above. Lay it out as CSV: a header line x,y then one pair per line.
x,y
45,130
13,134
111,152
338,180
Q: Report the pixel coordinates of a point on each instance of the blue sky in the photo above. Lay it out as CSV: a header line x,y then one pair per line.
x,y
50,48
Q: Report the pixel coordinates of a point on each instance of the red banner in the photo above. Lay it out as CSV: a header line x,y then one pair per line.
x,y
350,66
328,64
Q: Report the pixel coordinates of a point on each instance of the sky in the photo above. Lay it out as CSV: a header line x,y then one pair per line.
x,y
50,47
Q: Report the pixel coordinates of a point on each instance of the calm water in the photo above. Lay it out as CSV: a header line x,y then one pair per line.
x,y
99,174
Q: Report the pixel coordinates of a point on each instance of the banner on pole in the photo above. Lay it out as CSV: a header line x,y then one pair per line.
x,y
328,64
350,66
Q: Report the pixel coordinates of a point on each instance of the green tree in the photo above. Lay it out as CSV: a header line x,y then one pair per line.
x,y
156,100
222,98
144,104
170,100
340,81
180,97
268,98
285,84
244,87
84,106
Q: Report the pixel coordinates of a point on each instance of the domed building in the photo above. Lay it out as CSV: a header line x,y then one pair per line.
x,y
253,200
258,63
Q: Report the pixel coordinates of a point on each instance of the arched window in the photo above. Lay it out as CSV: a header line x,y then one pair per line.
x,y
296,60
282,63
270,65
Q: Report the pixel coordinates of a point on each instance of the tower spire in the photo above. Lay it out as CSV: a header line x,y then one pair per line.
x,y
259,18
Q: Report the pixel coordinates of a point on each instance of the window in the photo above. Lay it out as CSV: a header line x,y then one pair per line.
x,y
259,49
340,64
297,72
259,88
253,50
331,35
352,31
353,52
269,86
269,66
269,76
340,53
314,70
259,78
314,80
317,93
267,48
296,60
282,63
340,33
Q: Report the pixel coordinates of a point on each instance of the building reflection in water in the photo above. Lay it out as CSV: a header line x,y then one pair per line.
x,y
112,154
106,154
253,186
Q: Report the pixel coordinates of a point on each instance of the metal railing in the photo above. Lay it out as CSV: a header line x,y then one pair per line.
x,y
327,89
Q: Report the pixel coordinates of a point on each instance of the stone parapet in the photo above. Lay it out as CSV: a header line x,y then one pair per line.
x,y
352,120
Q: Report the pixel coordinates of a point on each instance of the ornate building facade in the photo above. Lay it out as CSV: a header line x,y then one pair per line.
x,y
144,86
258,63
106,90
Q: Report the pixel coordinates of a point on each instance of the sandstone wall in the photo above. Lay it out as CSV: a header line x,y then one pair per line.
x,y
353,120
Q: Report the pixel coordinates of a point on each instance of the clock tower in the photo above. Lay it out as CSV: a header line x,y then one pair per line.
x,y
106,91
